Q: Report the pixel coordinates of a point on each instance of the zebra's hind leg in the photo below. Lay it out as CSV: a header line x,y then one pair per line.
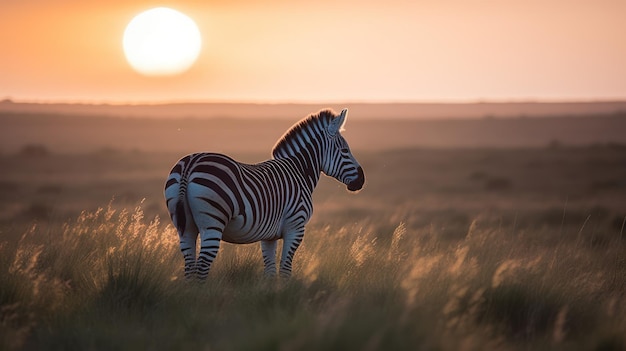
x,y
268,248
188,248
291,242
210,239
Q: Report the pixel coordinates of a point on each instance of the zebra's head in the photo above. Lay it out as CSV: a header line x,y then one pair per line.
x,y
338,161
317,143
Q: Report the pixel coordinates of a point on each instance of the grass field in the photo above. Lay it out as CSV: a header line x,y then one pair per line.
x,y
468,249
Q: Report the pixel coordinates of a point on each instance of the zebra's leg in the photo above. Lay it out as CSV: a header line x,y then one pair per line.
x,y
188,248
268,248
291,242
210,239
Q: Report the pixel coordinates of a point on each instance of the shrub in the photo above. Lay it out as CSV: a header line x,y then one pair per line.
x,y
498,184
34,150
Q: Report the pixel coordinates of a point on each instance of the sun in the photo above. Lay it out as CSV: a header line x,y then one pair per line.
x,y
161,41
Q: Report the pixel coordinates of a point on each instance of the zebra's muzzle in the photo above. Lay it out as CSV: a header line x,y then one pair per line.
x,y
357,184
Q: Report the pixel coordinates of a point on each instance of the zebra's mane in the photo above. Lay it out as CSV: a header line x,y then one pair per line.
x,y
323,117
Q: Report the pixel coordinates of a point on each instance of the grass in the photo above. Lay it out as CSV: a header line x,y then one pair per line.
x,y
443,250
111,279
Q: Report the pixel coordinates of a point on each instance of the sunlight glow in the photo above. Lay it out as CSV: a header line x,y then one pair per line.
x,y
161,41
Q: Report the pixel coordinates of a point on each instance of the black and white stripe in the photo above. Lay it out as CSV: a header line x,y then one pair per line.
x,y
221,199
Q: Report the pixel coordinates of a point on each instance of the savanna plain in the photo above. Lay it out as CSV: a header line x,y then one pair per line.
x,y
517,248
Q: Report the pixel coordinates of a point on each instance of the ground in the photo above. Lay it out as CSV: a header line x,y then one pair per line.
x,y
443,249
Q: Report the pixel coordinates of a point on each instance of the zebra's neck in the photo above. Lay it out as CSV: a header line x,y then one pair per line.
x,y
306,143
306,155
309,167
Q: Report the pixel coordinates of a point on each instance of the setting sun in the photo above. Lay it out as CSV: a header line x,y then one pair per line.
x,y
161,41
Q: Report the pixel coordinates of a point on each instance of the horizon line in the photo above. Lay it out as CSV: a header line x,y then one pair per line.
x,y
11,100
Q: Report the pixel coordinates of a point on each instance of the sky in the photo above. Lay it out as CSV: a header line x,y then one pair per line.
x,y
318,51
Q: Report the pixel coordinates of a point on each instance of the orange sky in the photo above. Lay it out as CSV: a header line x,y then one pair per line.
x,y
392,50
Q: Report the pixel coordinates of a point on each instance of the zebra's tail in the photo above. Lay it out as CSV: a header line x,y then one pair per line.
x,y
181,219
176,195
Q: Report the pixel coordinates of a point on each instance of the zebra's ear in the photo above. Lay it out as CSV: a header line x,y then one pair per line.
x,y
336,125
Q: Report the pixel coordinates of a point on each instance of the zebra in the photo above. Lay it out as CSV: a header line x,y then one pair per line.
x,y
220,199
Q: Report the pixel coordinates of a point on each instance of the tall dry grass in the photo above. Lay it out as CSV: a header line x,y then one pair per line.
x,y
112,279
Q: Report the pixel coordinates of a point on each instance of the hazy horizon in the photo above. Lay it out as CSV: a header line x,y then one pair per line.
x,y
180,101
295,111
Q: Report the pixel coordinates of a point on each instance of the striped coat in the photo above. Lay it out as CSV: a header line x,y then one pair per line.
x,y
224,200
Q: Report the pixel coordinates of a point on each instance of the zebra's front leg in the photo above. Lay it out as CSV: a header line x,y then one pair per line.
x,y
268,248
209,246
291,242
